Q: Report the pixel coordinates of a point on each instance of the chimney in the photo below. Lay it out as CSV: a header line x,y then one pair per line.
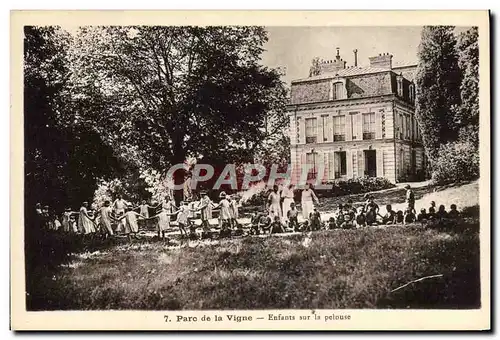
x,y
355,57
333,66
382,60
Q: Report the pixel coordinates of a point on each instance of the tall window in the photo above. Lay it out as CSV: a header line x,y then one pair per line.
x,y
338,128
412,93
311,130
311,161
400,87
369,125
408,127
402,126
338,91
340,164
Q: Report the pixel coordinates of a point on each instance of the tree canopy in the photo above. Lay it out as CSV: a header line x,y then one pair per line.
x,y
149,97
62,156
467,114
438,81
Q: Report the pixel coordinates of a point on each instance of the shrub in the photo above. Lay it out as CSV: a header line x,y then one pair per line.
x,y
457,161
357,185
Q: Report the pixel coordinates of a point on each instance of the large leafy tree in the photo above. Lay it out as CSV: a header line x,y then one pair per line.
x,y
467,114
62,155
438,81
163,94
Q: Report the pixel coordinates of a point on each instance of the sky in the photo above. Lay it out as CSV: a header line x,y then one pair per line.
x,y
295,47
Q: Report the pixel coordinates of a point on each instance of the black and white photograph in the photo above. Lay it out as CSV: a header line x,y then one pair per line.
x,y
302,171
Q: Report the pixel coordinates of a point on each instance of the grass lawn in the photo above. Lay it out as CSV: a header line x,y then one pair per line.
x,y
327,269
321,270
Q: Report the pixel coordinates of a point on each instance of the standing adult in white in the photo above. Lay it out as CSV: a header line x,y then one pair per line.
x,y
119,206
274,202
288,199
307,201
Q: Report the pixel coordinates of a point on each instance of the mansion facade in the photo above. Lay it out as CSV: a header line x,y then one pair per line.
x,y
356,121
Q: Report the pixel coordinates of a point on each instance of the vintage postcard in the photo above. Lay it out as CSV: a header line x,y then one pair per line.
x,y
260,170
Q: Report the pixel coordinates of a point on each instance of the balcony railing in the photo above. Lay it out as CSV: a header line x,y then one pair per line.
x,y
311,140
313,174
368,135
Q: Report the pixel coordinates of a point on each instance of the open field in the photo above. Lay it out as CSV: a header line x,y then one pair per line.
x,y
327,269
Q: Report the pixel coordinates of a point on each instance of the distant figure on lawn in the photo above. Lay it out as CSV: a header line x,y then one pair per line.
x,y
315,220
422,216
372,210
390,215
183,217
206,206
119,206
292,217
233,204
361,218
441,212
106,217
349,216
67,225
274,202
287,194
265,222
410,198
307,203
224,214
277,226
400,217
339,216
409,216
163,223
453,213
432,210
85,223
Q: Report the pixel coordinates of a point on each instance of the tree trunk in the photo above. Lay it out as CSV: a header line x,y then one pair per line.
x,y
179,175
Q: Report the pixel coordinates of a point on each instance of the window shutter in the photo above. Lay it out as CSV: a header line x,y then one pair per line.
x,y
329,129
360,126
319,129
302,132
378,125
331,165
348,127
380,162
293,130
325,164
361,164
303,161
349,160
354,127
319,165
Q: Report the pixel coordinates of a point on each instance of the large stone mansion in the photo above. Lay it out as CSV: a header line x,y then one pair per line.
x,y
356,121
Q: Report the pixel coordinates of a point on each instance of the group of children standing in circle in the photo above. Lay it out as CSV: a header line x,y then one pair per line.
x,y
280,216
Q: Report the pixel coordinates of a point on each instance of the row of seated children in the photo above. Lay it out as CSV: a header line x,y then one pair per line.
x,y
347,217
368,215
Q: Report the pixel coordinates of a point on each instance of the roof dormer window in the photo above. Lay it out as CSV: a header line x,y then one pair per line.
x,y
337,90
400,85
